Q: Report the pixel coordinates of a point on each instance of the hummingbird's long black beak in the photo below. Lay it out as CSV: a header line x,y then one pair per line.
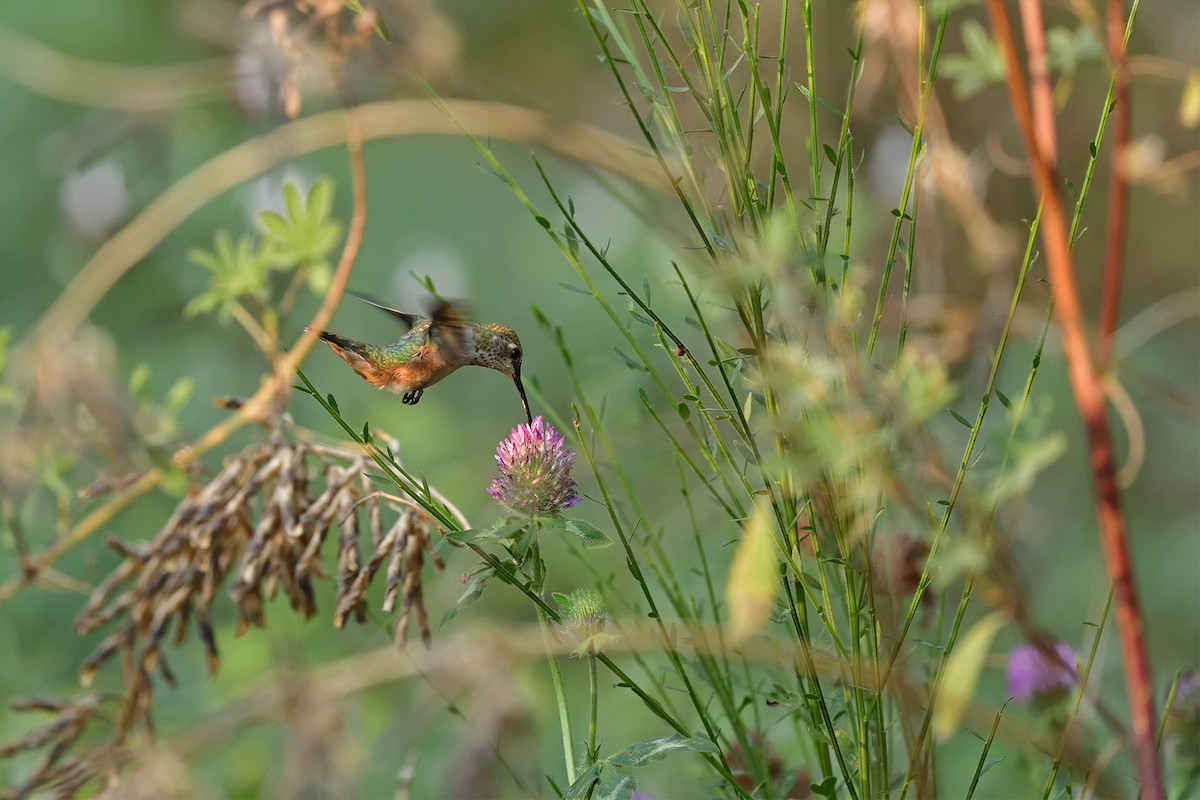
x,y
521,390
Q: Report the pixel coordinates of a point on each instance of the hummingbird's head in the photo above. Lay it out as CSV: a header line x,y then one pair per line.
x,y
498,347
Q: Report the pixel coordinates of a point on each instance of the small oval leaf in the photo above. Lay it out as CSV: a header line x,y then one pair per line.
x,y
962,674
750,591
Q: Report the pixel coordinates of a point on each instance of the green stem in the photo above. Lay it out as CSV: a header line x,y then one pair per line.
x,y
560,695
595,695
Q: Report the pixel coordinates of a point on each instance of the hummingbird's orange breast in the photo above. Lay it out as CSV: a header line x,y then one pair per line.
x,y
399,376
408,376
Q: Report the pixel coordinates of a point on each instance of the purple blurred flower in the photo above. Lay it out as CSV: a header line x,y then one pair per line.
x,y
535,471
1032,673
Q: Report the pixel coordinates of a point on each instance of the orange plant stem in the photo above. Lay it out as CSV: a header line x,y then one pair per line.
x,y
1118,192
1037,128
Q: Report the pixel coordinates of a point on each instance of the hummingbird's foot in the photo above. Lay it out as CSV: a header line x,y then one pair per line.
x,y
412,397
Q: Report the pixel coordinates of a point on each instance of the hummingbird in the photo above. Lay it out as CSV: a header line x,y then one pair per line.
x,y
432,348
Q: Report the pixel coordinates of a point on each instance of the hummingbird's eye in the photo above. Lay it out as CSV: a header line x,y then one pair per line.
x,y
514,352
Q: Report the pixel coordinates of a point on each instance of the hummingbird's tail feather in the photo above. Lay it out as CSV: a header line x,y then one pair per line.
x,y
361,357
407,319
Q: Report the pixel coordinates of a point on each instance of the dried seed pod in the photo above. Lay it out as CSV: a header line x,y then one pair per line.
x,y
257,527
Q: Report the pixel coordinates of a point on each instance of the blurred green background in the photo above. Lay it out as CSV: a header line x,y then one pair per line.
x,y
73,173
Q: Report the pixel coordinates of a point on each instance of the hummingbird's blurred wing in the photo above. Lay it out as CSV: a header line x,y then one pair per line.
x,y
408,319
450,330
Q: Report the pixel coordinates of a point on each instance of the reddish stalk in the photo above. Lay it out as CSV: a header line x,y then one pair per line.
x,y
1037,128
1118,191
1045,136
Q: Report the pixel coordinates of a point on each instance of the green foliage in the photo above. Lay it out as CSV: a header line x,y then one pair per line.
x,y
303,239
962,674
979,66
591,537
307,236
1068,49
606,778
811,545
236,271
157,421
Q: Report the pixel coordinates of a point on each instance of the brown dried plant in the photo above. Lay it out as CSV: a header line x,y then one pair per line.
x,y
257,526
311,40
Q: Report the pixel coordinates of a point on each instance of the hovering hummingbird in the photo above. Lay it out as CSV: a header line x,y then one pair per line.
x,y
432,349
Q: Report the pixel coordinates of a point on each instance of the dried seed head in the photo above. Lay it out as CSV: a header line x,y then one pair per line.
x,y
257,527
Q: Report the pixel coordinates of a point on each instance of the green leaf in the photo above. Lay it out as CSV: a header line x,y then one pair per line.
x,y
979,66
572,239
236,270
1067,49
750,590
178,395
472,593
320,276
826,788
584,782
961,419
293,202
629,362
462,537
139,379
811,581
201,305
657,749
509,530
524,541
1189,103
962,674
274,223
592,537
320,200
576,289
1028,460
614,785
306,235
500,533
